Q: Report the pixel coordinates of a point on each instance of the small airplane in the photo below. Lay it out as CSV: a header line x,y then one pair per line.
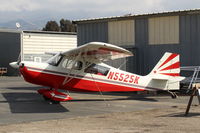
x,y
82,69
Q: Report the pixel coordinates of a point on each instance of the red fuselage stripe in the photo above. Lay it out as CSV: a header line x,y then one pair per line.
x,y
55,79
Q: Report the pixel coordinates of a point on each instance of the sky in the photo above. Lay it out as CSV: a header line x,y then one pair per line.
x,y
34,11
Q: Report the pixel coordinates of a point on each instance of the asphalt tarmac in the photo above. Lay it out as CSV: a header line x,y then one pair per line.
x,y
20,103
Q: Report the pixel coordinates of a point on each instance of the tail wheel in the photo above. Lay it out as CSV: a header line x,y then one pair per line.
x,y
173,95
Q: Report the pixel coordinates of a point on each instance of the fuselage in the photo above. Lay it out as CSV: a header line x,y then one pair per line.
x,y
84,71
92,77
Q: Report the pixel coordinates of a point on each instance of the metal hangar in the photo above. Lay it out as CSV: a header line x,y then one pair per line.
x,y
148,36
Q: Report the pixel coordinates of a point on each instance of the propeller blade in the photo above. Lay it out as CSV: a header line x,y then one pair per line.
x,y
14,64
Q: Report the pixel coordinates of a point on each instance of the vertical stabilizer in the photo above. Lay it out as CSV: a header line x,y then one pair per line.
x,y
166,74
168,65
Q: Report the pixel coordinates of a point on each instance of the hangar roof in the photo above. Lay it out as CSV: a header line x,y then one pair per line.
x,y
49,32
131,16
36,31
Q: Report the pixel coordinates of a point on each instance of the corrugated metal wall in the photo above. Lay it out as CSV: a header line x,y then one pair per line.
x,y
36,44
10,50
141,39
88,32
190,39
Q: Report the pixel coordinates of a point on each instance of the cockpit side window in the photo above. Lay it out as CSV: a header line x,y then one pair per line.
x,y
55,60
97,69
71,64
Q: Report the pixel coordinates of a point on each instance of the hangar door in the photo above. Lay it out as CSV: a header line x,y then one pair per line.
x,y
122,33
34,45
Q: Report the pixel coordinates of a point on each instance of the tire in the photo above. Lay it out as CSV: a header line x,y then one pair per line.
x,y
55,102
174,96
46,98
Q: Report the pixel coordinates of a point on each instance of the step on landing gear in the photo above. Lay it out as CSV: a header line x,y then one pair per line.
x,y
53,96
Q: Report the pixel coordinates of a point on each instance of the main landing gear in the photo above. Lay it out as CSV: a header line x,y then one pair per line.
x,y
50,100
53,96
173,94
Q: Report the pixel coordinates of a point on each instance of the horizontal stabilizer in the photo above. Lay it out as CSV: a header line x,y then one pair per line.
x,y
165,77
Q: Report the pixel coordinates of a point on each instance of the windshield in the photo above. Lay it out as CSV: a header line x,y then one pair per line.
x,y
55,60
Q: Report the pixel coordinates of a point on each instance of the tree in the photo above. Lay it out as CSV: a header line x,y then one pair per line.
x,y
51,26
67,26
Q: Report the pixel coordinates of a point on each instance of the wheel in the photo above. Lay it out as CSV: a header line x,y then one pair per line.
x,y
46,98
174,96
54,102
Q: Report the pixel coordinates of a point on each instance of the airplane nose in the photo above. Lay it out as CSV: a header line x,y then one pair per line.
x,y
21,65
14,64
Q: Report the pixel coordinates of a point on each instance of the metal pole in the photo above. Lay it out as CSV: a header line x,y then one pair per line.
x,y
198,95
190,101
193,76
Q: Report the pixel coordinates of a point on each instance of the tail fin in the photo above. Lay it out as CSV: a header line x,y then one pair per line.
x,y
167,72
169,65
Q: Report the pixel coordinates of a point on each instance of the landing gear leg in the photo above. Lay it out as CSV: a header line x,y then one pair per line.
x,y
173,95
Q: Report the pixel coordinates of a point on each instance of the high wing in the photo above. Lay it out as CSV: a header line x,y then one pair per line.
x,y
98,51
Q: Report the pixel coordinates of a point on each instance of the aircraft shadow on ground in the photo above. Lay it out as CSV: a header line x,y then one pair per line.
x,y
30,103
115,99
25,88
127,96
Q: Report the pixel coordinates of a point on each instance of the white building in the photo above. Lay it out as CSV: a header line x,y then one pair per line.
x,y
32,45
35,44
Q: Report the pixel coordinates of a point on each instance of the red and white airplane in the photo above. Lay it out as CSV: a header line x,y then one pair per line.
x,y
82,69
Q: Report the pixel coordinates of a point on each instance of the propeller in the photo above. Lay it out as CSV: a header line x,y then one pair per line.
x,y
15,64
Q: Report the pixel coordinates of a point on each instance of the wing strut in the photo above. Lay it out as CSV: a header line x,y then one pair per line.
x,y
122,64
67,79
100,91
